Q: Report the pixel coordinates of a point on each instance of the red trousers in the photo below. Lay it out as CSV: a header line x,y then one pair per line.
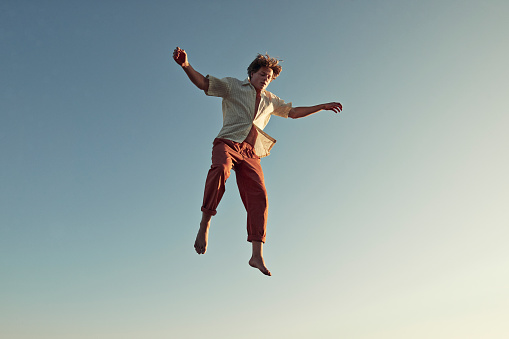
x,y
227,154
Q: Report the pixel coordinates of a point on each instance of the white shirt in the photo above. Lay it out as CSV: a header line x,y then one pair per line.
x,y
239,101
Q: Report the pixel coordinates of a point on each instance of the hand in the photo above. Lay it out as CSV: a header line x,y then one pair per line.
x,y
333,106
180,56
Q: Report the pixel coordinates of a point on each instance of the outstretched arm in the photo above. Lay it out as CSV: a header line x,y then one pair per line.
x,y
180,57
301,112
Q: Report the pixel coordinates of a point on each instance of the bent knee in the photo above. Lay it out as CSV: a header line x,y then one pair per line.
x,y
221,169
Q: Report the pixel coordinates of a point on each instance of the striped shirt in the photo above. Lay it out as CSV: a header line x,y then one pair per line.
x,y
239,102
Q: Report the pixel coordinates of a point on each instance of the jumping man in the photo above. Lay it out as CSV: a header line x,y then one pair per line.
x,y
241,142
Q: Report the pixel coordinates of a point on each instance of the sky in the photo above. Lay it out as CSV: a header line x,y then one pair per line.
x,y
388,220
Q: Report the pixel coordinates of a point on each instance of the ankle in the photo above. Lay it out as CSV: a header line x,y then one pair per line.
x,y
257,258
205,220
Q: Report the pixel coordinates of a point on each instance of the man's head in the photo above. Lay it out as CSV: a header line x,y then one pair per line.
x,y
263,70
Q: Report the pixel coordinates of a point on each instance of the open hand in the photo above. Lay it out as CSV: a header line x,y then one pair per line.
x,y
333,106
180,56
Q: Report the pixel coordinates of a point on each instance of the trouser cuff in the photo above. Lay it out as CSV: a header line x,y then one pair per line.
x,y
209,212
252,238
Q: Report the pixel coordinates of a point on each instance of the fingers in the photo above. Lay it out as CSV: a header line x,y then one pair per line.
x,y
334,106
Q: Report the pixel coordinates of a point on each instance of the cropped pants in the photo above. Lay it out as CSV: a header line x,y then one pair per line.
x,y
227,154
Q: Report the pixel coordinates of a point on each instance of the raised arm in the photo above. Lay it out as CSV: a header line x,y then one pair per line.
x,y
301,112
180,57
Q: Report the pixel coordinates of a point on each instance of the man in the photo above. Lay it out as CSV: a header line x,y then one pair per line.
x,y
247,107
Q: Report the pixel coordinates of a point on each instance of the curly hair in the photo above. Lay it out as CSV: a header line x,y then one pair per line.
x,y
265,61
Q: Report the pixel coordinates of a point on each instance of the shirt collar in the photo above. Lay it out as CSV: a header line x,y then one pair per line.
x,y
246,82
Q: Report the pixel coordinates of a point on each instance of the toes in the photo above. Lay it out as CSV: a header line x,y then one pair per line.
x,y
198,249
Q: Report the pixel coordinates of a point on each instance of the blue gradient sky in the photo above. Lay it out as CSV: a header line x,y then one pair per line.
x,y
387,221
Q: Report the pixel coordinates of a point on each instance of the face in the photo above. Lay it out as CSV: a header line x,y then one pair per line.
x,y
261,79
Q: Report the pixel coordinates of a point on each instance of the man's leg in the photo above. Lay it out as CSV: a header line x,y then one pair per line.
x,y
219,172
252,190
223,158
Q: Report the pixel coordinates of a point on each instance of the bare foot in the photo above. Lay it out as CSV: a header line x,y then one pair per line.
x,y
259,263
200,244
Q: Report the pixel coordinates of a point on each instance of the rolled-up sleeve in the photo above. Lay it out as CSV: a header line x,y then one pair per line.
x,y
281,108
218,87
